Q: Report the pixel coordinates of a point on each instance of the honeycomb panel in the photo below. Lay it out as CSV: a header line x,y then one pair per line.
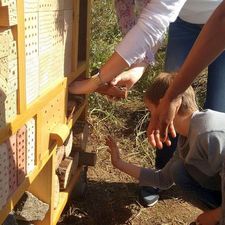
x,y
30,125
4,174
11,143
21,154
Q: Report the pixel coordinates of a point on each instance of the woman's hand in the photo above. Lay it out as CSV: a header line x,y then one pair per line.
x,y
161,122
113,150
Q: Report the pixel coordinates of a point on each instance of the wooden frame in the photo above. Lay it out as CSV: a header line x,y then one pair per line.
x,y
44,171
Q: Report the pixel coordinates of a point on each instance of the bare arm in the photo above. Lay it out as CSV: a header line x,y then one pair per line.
x,y
210,43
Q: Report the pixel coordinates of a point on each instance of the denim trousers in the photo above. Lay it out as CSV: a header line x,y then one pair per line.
x,y
181,37
181,178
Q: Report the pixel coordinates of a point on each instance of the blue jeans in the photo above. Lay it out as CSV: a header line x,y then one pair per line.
x,y
181,38
182,179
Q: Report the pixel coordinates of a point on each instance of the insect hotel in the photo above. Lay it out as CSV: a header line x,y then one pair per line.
x,y
43,130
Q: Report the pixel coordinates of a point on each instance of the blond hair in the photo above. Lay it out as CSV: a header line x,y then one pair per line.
x,y
159,87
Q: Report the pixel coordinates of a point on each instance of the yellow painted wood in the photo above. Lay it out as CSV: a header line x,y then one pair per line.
x,y
63,196
21,58
60,133
21,189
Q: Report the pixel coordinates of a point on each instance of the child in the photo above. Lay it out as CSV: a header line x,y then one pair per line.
x,y
197,162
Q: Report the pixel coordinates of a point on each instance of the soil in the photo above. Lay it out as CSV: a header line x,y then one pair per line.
x,y
111,196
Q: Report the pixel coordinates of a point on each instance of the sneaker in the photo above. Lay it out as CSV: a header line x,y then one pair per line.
x,y
148,196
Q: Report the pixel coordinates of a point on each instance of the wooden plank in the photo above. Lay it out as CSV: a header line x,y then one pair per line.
x,y
21,58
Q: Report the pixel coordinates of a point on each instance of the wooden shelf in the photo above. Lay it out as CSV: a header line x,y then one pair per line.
x,y
81,68
23,186
63,196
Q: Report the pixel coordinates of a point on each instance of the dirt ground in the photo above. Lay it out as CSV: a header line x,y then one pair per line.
x,y
111,196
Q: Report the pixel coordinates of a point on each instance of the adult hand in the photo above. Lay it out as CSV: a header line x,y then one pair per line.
x,y
130,77
161,122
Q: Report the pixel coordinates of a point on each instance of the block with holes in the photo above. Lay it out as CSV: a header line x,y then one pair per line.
x,y
45,5
21,154
8,75
6,37
8,13
8,108
30,142
4,174
12,151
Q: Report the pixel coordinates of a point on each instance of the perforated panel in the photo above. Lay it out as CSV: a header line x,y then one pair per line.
x,y
31,33
12,12
30,6
21,154
51,115
45,5
30,125
56,63
11,143
68,37
8,108
4,174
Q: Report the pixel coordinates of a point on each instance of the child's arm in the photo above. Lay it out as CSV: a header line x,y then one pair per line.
x,y
127,168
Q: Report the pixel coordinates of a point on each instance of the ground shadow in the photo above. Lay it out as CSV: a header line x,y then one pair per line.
x,y
109,203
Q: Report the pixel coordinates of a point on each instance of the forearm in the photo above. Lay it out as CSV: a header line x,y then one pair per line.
x,y
114,66
128,168
210,43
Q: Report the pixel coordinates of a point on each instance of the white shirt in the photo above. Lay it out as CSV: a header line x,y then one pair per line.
x,y
154,21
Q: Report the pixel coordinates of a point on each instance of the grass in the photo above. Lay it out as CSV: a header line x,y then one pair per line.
x,y
127,120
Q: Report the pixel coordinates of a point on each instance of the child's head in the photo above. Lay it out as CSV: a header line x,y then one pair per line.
x,y
159,87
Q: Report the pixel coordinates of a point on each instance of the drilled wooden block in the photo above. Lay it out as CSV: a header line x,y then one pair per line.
x,y
31,6
30,127
68,4
6,37
8,75
8,14
68,40
12,151
60,153
81,133
4,2
68,144
45,5
4,175
32,78
8,108
21,154
31,33
12,50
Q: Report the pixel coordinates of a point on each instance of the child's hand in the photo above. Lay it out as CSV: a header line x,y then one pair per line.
x,y
113,150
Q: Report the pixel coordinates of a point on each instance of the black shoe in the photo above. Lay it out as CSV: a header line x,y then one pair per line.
x,y
148,196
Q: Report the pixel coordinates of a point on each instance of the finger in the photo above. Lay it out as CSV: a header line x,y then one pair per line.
x,y
168,142
172,130
163,128
116,80
150,136
159,144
